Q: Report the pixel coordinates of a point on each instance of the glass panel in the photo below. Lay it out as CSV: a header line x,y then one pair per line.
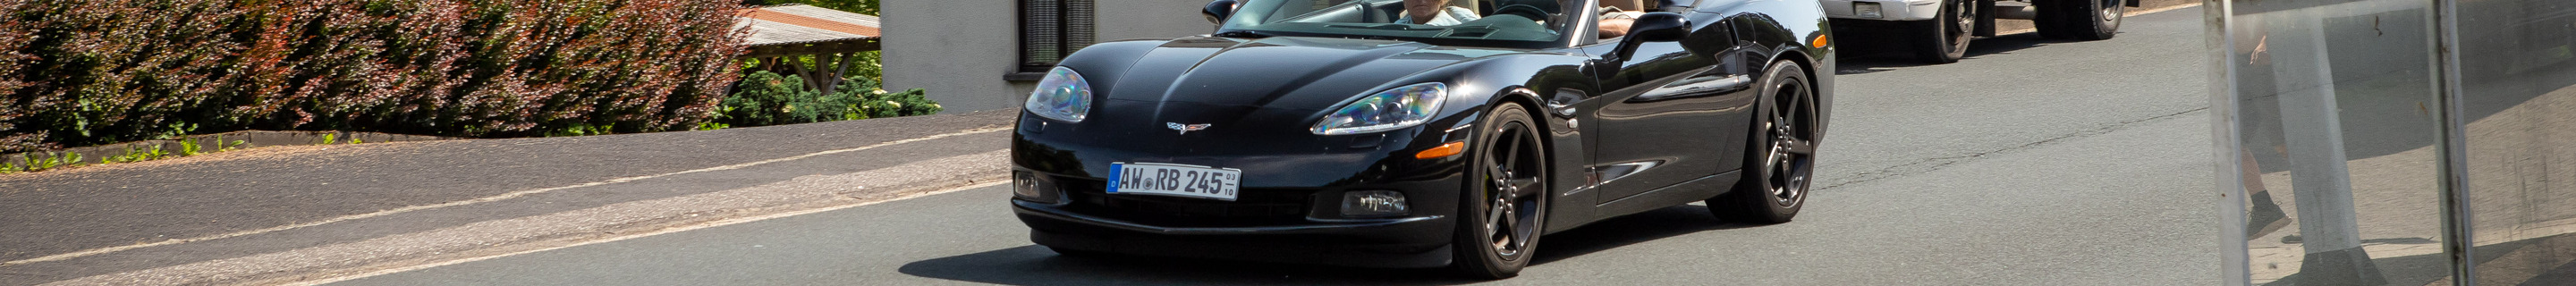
x,y
1041,30
2336,120
2518,82
1524,24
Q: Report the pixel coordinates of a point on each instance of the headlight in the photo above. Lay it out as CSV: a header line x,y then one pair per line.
x,y
1398,107
1062,95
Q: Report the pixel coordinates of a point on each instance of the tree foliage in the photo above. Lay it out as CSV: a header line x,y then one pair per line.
x,y
81,72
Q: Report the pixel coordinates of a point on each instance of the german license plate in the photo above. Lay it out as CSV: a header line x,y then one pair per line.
x,y
1175,180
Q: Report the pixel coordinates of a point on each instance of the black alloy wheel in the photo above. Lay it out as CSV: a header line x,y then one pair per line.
x,y
1505,199
1782,156
1946,38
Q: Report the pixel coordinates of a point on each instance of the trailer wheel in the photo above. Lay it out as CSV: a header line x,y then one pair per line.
x,y
2089,20
2050,23
1945,39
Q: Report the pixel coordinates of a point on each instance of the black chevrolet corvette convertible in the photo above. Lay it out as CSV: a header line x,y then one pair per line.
x,y
1351,132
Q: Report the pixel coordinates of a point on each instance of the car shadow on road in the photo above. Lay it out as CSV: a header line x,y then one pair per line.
x,y
1035,265
1632,229
1878,55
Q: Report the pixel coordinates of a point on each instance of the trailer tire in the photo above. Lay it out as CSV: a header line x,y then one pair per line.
x,y
2051,24
2087,20
1945,39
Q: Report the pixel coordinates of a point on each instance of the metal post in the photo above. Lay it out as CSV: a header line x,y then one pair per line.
x,y
2456,212
2235,267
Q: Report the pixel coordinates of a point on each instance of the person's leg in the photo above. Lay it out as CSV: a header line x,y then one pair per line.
x,y
2258,126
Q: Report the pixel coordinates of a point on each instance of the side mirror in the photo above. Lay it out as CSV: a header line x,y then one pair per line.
x,y
1218,10
1659,27
1652,27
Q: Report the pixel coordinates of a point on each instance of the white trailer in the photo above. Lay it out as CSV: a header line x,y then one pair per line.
x,y
1938,31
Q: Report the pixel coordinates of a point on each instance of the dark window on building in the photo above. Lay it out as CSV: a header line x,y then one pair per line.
x,y
1051,29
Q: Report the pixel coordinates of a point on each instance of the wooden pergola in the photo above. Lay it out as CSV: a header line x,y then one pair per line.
x,y
781,34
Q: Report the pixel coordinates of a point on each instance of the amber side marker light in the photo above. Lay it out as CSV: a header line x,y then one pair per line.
x,y
1445,150
1820,41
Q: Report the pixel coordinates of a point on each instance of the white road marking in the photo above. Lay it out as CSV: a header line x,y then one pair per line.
x,y
515,235
504,196
719,223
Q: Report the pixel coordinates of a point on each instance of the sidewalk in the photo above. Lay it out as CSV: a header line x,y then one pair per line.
x,y
265,213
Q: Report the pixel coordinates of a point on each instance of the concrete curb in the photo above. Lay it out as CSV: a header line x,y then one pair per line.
x,y
502,237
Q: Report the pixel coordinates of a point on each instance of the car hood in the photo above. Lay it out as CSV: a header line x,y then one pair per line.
x,y
1299,73
1248,97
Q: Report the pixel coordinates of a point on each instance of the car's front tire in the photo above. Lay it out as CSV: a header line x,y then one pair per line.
x,y
1780,160
1505,199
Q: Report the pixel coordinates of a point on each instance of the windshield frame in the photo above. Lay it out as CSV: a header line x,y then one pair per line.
x,y
1579,26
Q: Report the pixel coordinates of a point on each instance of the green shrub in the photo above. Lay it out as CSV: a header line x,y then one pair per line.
x,y
876,102
764,98
86,72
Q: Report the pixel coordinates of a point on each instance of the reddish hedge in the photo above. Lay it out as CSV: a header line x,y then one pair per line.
x,y
82,72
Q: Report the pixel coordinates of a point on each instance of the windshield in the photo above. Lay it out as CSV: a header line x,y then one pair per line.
x,y
1484,23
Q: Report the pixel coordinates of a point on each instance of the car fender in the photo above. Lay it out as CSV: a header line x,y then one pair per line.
x,y
1532,80
1102,64
1794,33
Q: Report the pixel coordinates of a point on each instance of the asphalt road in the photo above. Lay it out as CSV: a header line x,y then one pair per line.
x,y
2033,162
121,222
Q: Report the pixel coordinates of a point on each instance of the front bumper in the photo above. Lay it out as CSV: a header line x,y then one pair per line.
x,y
1411,242
1293,225
1287,210
1889,10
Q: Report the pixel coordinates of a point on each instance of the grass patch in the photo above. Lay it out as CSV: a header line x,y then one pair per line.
x,y
47,161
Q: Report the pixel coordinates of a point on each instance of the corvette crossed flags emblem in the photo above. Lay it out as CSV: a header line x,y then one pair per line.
x,y
1185,128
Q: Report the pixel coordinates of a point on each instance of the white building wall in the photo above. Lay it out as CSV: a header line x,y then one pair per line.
x,y
959,50
1151,19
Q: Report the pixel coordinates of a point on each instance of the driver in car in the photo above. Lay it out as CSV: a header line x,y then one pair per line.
x,y
1435,13
1613,22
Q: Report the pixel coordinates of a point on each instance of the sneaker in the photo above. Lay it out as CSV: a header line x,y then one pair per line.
x,y
2265,218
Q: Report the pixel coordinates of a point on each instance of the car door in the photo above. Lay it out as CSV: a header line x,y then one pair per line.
x,y
1668,114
